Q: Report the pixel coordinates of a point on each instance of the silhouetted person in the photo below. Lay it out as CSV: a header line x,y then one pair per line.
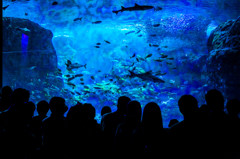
x,y
76,117
105,110
216,122
172,122
233,125
54,130
233,108
6,98
19,134
153,132
42,109
185,134
5,103
84,131
128,139
111,121
215,104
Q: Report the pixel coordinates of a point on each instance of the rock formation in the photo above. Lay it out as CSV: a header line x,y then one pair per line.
x,y
223,63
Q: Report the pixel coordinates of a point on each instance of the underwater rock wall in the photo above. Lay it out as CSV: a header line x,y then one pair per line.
x,y
29,57
223,64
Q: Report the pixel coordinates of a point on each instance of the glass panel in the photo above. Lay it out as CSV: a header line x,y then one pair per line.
x,y
95,51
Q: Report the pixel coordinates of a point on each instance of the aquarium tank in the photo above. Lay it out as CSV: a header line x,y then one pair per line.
x,y
94,51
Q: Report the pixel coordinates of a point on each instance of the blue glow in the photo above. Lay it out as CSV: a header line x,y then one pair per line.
x,y
210,28
24,44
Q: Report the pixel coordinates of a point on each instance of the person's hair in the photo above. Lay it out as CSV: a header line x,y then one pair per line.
x,y
215,100
42,107
57,105
187,104
122,103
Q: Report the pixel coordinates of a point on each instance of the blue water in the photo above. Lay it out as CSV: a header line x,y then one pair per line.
x,y
135,41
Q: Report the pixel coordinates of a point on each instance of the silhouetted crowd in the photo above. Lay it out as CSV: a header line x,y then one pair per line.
x,y
206,131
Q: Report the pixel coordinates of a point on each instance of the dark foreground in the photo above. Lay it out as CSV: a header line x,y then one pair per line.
x,y
206,131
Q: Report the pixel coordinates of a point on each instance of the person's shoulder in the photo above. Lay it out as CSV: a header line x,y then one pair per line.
x,y
108,115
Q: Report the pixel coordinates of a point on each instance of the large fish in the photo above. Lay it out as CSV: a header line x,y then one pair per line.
x,y
135,8
71,65
146,77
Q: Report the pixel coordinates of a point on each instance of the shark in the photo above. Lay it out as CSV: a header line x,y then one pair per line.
x,y
135,8
147,76
71,65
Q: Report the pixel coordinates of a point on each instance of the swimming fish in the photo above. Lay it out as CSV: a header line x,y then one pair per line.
x,y
149,55
86,87
138,31
97,87
146,77
5,7
79,75
158,60
98,43
76,19
97,22
156,25
154,45
54,3
107,41
74,76
170,58
135,8
97,46
129,32
67,75
164,56
153,35
71,65
78,93
168,63
71,84
133,55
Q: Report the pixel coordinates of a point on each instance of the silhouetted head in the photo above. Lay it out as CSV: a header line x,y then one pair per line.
x,y
6,98
75,112
57,105
188,105
215,100
6,92
105,109
89,110
233,107
20,96
152,115
172,122
122,104
134,112
42,108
